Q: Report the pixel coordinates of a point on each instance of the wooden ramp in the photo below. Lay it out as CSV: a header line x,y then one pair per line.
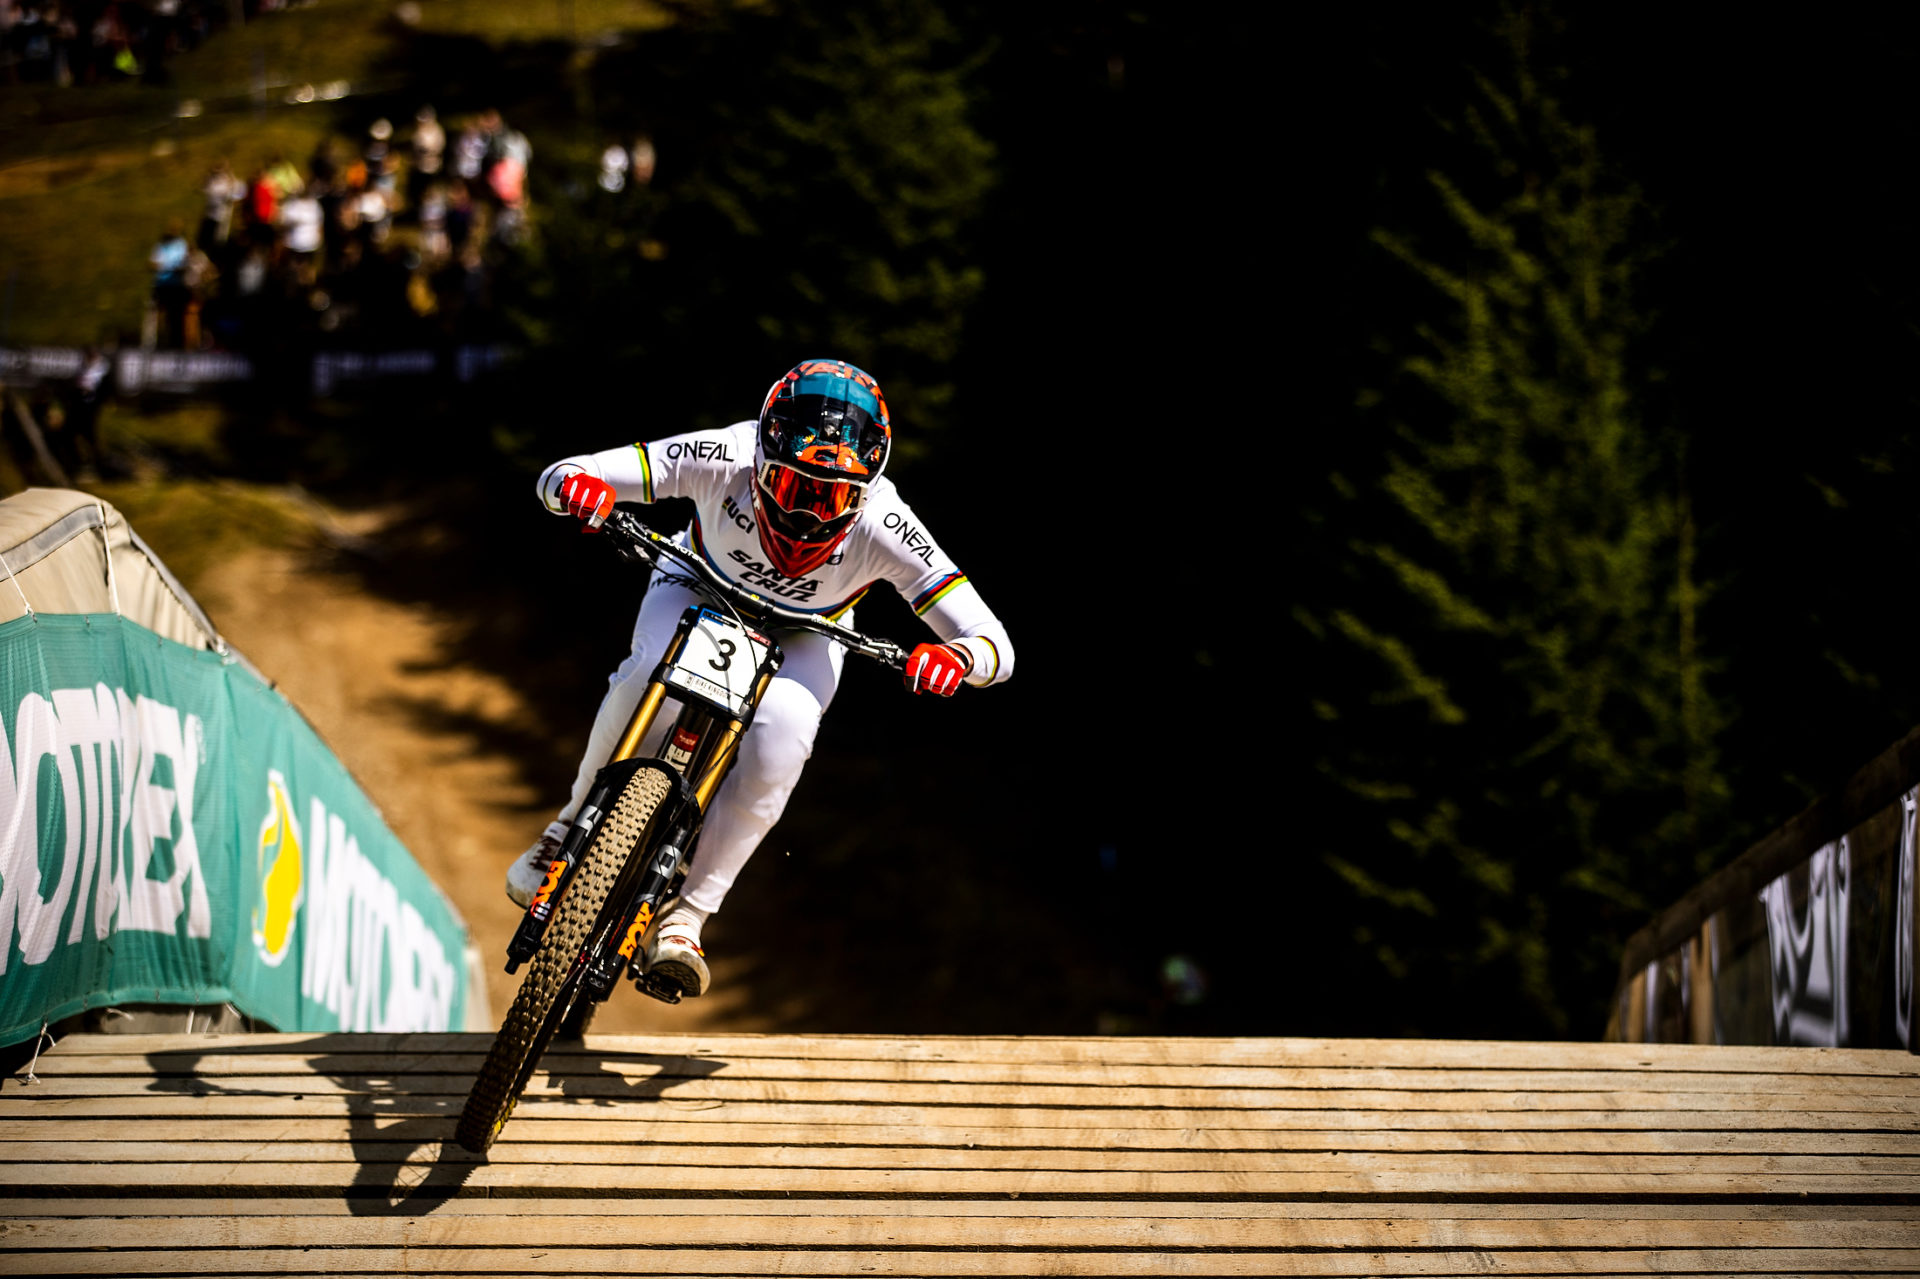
x,y
759,1155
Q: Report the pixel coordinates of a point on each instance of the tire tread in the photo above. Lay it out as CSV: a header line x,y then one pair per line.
x,y
531,1021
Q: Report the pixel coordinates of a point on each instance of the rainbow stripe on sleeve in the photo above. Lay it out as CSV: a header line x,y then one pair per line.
x,y
646,470
938,591
992,648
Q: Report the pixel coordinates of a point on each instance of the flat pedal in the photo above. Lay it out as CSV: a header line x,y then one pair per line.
x,y
662,989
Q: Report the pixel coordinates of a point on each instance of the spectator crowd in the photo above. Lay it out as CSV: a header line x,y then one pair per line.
x,y
67,42
391,241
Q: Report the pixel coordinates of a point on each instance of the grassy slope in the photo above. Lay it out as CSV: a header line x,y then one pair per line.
x,y
90,175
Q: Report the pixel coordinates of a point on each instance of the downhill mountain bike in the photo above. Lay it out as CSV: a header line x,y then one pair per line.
x,y
629,847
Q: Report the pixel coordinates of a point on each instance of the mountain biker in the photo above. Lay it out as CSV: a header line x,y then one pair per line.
x,y
793,507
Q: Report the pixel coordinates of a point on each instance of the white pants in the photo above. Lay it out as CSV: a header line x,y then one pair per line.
x,y
775,749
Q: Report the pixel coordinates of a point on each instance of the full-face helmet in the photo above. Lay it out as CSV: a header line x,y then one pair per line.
x,y
823,440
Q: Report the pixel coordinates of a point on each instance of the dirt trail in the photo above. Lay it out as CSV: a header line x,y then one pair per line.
x,y
421,733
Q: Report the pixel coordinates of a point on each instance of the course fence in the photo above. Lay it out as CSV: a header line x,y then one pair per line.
x,y
137,371
1808,938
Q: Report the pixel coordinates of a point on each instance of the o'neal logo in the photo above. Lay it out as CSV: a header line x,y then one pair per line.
x,y
282,875
916,541
700,451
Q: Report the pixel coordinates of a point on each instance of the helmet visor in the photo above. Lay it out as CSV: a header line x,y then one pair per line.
x,y
807,507
827,438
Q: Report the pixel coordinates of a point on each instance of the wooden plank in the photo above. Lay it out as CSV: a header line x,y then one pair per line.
x,y
1508,1274
1502,1270
215,1067
424,1172
724,1229
587,1129
806,1090
367,1107
668,1261
1367,1053
666,1158
832,1155
1055,1272
1304,1209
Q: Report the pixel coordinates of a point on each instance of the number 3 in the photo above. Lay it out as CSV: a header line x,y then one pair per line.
x,y
726,655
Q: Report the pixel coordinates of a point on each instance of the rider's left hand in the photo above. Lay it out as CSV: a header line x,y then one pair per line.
x,y
936,668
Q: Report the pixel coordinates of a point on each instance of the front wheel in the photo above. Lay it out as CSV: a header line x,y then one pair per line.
x,y
547,994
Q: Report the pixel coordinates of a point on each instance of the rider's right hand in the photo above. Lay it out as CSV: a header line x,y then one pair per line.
x,y
588,497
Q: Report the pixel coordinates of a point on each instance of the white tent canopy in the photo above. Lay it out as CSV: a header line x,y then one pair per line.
x,y
63,551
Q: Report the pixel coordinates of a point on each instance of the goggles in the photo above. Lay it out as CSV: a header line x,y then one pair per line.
x,y
825,439
810,508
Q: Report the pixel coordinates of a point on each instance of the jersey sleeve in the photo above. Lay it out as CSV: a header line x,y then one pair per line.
x,y
957,614
942,597
696,465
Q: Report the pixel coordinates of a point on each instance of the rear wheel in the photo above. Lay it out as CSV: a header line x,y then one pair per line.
x,y
547,995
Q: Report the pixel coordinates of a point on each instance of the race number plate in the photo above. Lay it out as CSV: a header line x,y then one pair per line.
x,y
719,662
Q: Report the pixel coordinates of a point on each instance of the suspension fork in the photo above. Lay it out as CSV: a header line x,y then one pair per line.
x,y
651,873
642,888
608,785
705,746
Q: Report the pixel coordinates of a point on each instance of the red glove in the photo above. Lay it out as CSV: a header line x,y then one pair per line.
x,y
587,497
936,668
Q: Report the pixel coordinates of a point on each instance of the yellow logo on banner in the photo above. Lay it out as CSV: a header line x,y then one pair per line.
x,y
282,877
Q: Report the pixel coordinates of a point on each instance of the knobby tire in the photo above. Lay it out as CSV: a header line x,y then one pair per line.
x,y
543,1000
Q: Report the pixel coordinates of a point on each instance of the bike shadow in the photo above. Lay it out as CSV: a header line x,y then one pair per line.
x,y
399,1102
398,1114
596,1076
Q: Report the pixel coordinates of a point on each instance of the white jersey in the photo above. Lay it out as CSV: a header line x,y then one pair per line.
x,y
886,544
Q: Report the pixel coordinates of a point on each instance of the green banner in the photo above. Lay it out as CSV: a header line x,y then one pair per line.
x,y
171,831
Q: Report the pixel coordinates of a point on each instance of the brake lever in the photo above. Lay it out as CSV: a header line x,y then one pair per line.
x,y
890,655
629,544
634,552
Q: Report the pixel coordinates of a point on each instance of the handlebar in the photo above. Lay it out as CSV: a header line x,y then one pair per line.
x,y
635,541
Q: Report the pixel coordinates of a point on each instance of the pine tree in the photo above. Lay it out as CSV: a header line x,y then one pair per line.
x,y
819,178
1519,724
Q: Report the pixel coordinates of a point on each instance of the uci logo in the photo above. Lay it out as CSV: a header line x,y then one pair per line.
x,y
282,877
